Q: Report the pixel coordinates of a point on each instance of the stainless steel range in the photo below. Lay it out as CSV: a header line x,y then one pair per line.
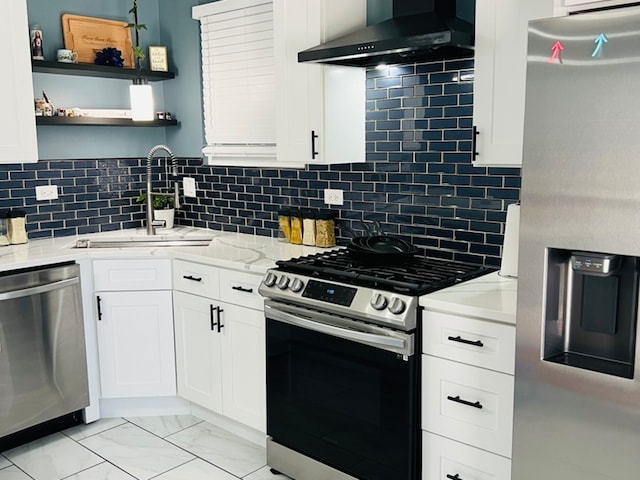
x,y
343,391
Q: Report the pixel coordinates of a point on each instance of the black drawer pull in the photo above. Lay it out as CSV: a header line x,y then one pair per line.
x,y
454,477
457,399
459,339
190,277
242,289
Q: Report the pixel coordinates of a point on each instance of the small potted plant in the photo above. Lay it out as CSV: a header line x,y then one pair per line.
x,y
162,207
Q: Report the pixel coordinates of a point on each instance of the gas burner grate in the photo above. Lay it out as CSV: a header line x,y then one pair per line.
x,y
415,276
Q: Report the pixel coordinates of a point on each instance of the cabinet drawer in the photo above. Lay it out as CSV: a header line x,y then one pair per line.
x,y
443,458
475,342
127,275
241,288
468,404
196,278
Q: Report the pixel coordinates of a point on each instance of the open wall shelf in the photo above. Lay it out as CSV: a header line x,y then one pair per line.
x,y
92,121
102,71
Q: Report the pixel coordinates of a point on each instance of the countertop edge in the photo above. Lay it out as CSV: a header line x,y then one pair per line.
x,y
490,297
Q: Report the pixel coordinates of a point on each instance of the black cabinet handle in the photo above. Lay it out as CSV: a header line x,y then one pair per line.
x,y
314,152
454,477
220,310
457,399
242,289
211,310
216,322
190,277
99,302
459,339
474,143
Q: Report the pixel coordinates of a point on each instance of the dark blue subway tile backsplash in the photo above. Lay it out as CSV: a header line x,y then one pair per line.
x,y
417,181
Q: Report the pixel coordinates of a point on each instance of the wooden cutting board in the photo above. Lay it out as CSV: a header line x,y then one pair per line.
x,y
88,35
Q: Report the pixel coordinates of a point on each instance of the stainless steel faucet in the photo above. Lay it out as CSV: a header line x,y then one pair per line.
x,y
151,223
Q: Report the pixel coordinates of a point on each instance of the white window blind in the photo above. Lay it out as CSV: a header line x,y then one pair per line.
x,y
238,78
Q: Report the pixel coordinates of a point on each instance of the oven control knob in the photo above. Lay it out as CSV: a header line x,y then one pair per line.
x,y
378,301
283,283
270,279
397,306
296,285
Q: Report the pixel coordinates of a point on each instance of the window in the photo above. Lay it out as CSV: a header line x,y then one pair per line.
x,y
238,78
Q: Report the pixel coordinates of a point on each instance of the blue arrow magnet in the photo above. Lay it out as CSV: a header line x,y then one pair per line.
x,y
600,41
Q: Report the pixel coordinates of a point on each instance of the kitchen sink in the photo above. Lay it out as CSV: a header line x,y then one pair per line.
x,y
143,242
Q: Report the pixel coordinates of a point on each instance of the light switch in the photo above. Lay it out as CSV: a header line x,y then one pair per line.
x,y
189,186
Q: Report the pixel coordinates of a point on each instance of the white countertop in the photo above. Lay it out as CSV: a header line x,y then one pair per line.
x,y
231,250
490,297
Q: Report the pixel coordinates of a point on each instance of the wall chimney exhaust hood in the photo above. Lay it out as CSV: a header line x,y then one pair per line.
x,y
420,30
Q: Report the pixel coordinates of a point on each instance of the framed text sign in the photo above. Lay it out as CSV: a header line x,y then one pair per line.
x,y
158,59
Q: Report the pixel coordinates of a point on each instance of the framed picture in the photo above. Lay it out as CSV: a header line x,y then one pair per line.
x,y
158,59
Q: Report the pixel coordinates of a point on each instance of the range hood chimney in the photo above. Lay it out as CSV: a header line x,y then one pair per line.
x,y
420,30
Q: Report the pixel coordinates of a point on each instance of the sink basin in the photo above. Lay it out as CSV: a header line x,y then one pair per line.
x,y
143,242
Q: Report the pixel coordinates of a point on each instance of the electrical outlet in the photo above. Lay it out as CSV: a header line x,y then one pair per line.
x,y
333,196
46,192
189,186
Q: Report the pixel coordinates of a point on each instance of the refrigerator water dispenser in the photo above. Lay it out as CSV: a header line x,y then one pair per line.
x,y
591,311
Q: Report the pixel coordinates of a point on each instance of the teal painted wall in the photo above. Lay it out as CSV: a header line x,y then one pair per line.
x,y
173,24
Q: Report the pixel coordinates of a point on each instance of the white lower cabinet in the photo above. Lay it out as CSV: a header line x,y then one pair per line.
x,y
467,397
133,308
443,458
243,365
199,370
220,348
468,404
135,344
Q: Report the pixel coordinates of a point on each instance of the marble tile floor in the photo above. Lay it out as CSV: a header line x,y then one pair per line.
x,y
161,448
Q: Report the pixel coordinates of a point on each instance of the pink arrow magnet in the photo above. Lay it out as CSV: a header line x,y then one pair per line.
x,y
555,52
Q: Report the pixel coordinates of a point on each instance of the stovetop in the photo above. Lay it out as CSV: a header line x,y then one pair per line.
x,y
415,275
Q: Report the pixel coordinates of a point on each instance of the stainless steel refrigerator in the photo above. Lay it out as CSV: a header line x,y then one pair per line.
x,y
577,395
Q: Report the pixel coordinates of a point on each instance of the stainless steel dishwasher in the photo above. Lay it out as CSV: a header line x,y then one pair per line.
x,y
43,368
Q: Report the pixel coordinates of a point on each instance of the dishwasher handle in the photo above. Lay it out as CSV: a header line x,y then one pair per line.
x,y
47,287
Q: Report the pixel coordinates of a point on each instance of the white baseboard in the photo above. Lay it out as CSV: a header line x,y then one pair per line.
x,y
143,407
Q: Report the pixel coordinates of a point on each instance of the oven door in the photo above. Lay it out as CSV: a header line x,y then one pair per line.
x,y
344,396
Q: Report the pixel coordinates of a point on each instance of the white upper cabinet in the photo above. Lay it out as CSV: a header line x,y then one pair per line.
x,y
500,72
18,142
262,107
566,6
320,112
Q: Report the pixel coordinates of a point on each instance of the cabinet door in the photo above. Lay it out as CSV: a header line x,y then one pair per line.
x,y
468,404
480,343
500,71
443,458
18,133
319,108
135,344
199,373
132,274
244,365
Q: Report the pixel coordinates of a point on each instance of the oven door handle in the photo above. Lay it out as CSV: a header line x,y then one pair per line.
x,y
377,340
